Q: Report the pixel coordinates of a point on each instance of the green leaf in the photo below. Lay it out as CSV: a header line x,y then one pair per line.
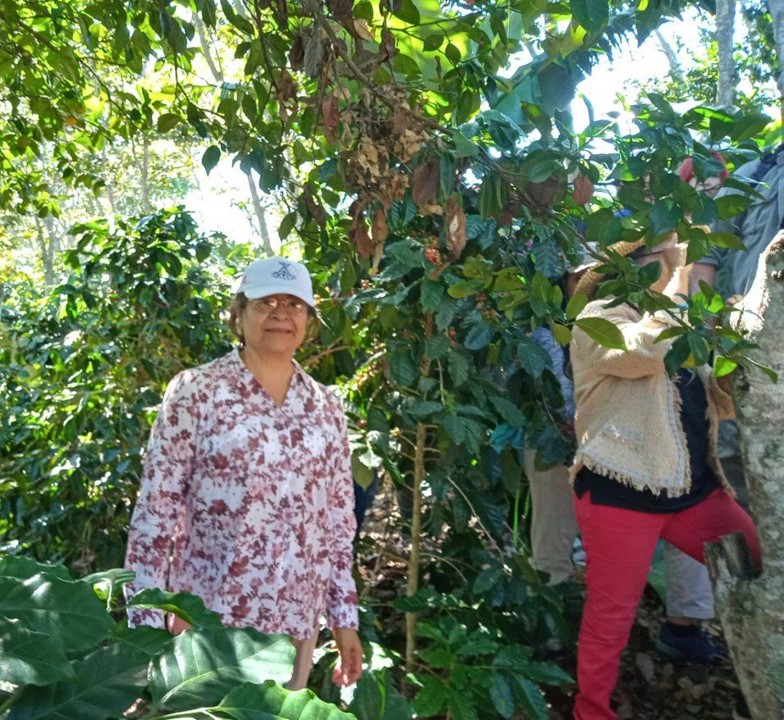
x,y
591,14
463,146
30,658
576,305
461,707
723,366
431,295
403,368
190,608
467,288
269,701
287,225
210,158
479,336
437,346
531,698
561,333
167,121
602,331
66,611
431,697
107,683
202,666
533,358
501,695
406,10
433,42
458,368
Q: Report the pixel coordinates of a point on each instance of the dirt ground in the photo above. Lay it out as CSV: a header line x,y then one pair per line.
x,y
650,686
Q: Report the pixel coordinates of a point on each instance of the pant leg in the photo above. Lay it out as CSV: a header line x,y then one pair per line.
x,y
553,524
689,590
619,545
719,514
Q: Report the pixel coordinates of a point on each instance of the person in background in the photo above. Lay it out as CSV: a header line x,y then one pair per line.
x,y
732,272
246,497
645,469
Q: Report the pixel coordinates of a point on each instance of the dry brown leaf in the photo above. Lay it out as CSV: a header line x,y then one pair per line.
x,y
455,221
543,195
330,118
379,230
314,54
286,86
297,52
426,178
314,207
358,234
362,29
583,190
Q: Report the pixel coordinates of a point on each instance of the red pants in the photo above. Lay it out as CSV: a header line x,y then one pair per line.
x,y
619,546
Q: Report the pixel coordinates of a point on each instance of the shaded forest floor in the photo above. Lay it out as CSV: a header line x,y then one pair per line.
x,y
650,686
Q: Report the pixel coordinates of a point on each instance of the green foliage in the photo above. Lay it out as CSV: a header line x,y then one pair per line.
x,y
84,367
57,673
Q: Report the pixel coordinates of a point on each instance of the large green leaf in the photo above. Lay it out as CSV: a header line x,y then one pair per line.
x,y
24,568
602,331
202,666
67,610
189,607
107,683
30,658
271,702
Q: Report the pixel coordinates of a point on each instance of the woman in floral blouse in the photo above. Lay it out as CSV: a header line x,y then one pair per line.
x,y
246,498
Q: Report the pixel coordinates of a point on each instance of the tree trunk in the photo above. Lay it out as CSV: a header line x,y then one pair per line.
x,y
259,210
751,608
776,8
725,30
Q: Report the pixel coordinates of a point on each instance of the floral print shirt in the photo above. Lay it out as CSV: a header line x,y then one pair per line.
x,y
247,504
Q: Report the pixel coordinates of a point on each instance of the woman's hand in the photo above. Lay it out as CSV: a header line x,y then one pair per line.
x,y
349,667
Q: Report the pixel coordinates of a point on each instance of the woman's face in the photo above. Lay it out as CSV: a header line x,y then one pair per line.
x,y
274,325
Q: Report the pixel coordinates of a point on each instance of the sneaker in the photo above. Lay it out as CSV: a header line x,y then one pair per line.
x,y
693,645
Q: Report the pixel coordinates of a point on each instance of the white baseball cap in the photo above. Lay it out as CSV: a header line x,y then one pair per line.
x,y
273,276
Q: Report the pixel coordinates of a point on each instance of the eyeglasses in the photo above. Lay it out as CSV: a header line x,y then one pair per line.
x,y
264,306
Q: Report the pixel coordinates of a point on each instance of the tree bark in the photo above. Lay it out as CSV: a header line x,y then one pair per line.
x,y
259,210
751,608
725,30
776,8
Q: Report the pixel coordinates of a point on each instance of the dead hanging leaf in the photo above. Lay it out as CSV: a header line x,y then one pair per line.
x,y
330,118
314,207
583,190
379,230
340,9
358,234
409,144
362,29
393,189
426,179
388,49
297,52
455,221
543,195
400,120
286,86
378,254
314,54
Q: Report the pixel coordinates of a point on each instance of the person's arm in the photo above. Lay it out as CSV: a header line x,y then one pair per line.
x,y
342,616
168,465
